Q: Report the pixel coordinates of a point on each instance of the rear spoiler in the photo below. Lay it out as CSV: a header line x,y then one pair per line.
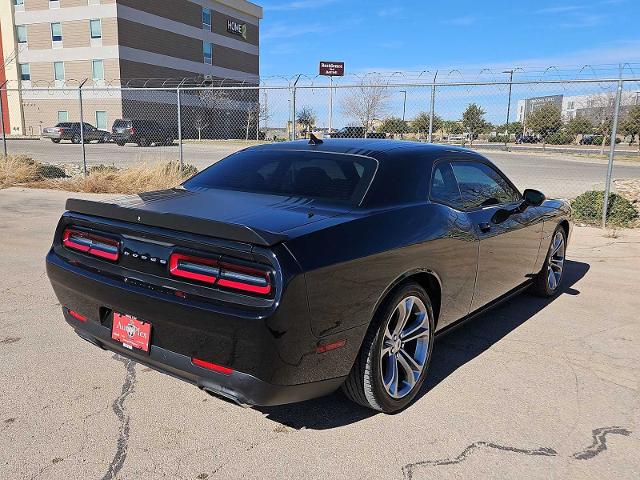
x,y
183,223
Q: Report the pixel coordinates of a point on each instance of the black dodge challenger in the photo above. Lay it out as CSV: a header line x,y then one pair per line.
x,y
287,271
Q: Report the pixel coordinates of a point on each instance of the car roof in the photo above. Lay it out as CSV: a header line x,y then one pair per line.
x,y
375,148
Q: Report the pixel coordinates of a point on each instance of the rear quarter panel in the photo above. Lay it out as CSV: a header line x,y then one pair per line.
x,y
351,265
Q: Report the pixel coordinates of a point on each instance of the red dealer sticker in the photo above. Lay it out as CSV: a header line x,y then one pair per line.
x,y
131,332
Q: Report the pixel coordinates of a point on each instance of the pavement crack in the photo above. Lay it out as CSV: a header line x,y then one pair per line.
x,y
118,407
541,451
599,444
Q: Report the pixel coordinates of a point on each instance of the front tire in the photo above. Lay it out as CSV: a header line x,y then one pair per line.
x,y
143,142
393,360
549,279
55,140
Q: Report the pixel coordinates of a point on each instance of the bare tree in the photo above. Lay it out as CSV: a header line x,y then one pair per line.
x,y
200,124
367,103
600,108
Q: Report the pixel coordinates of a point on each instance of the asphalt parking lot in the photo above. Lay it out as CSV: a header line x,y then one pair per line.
x,y
535,389
556,174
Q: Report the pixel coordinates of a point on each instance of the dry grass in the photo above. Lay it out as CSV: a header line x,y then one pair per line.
x,y
137,179
18,169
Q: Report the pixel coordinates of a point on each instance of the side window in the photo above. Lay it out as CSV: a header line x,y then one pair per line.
x,y
481,186
444,188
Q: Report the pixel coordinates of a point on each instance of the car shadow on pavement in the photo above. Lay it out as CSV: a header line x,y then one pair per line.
x,y
451,351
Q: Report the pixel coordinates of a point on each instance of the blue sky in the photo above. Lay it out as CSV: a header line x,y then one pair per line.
x,y
417,35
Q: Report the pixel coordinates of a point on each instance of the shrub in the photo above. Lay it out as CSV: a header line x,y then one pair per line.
x,y
51,171
102,169
560,138
188,170
17,169
588,208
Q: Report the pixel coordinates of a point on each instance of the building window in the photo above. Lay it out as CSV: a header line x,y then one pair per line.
x,y
95,26
54,3
571,105
25,72
63,116
206,19
56,32
97,69
21,33
207,49
18,2
101,119
58,71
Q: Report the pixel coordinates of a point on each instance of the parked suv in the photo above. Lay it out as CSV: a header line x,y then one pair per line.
x,y
141,132
71,131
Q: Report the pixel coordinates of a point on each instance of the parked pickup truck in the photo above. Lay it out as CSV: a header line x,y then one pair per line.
x,y
354,132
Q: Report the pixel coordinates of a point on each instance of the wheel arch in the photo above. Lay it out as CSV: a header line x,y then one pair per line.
x,y
427,279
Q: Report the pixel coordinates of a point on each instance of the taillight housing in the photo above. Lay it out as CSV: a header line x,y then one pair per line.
x,y
132,131
91,243
221,273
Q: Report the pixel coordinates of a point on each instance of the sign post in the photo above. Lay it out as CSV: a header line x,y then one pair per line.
x,y
331,69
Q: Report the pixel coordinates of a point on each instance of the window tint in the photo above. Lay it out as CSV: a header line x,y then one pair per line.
x,y
58,71
206,19
21,33
333,178
25,72
444,188
56,32
97,69
481,186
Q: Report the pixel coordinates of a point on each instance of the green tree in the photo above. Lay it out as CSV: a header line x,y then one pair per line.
x,y
473,121
580,126
452,127
420,124
394,125
545,121
514,128
631,125
307,118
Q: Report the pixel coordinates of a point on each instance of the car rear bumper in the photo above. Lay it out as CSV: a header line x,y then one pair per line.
x,y
121,137
272,354
239,387
54,136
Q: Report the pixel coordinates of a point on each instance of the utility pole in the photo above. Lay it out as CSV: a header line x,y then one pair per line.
x,y
510,72
432,110
404,111
4,136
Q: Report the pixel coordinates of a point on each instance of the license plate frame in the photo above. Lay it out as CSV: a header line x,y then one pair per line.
x,y
133,333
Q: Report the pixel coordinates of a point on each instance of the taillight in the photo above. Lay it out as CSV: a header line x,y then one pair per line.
x,y
61,130
132,131
77,315
92,244
211,366
220,273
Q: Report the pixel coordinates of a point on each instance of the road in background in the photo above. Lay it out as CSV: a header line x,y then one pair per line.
x,y
536,388
558,174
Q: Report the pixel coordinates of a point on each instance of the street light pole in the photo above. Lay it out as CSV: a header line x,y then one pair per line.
x,y
4,136
510,72
404,111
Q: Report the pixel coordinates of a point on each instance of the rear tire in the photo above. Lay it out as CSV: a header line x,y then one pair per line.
x,y
549,280
120,144
76,139
143,142
55,140
395,354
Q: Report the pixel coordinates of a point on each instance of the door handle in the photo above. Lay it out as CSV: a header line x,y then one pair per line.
x,y
484,227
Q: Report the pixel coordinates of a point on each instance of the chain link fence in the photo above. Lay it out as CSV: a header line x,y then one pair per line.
x,y
562,136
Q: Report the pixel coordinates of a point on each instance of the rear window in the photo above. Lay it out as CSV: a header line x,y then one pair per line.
x,y
335,178
64,125
121,124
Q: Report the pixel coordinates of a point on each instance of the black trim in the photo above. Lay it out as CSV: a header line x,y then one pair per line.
x,y
184,223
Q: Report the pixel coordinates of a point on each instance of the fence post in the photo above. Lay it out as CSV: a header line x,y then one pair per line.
x,y
612,151
4,136
293,135
84,152
432,110
178,94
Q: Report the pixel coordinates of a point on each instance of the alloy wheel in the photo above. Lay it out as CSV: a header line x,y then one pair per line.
x,y
405,347
556,261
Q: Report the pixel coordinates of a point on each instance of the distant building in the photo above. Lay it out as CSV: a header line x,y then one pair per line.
x,y
60,43
596,107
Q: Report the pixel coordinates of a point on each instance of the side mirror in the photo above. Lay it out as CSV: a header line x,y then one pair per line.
x,y
533,198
